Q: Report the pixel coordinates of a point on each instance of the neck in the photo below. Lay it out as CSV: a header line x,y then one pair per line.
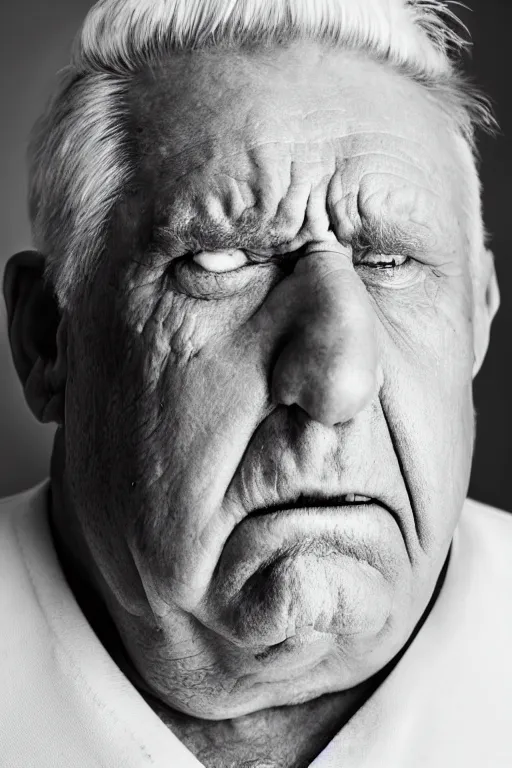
x,y
279,737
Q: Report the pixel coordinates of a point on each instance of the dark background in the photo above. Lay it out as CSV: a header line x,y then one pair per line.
x,y
34,44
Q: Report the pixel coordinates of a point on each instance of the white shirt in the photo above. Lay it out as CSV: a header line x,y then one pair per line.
x,y
65,704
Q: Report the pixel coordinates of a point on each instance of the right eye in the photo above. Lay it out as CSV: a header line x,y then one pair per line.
x,y
221,261
219,274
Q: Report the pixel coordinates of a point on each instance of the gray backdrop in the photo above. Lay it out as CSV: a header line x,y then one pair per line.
x,y
34,43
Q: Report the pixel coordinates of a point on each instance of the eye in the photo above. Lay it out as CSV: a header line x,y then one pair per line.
x,y
381,261
221,261
220,274
388,270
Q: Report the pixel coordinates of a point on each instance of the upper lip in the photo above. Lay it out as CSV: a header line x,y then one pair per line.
x,y
255,491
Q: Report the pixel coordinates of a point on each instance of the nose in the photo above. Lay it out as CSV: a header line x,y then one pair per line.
x,y
328,364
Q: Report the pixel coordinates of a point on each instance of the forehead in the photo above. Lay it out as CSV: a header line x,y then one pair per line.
x,y
226,137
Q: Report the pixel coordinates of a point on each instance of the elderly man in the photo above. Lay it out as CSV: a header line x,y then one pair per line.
x,y
260,297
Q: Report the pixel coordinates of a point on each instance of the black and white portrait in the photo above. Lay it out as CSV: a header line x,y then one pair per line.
x,y
255,441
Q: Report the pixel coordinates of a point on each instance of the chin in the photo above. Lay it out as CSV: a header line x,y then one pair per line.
x,y
228,680
288,580
302,603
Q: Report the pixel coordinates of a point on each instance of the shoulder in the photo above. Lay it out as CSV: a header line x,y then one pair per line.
x,y
486,524
18,502
12,508
483,548
22,516
9,504
482,511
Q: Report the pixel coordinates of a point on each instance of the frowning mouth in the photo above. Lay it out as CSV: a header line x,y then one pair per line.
x,y
303,501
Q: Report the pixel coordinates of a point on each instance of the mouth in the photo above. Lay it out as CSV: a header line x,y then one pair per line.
x,y
305,502
321,561
302,501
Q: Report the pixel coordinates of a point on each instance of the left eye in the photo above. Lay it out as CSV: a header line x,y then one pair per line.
x,y
380,261
221,261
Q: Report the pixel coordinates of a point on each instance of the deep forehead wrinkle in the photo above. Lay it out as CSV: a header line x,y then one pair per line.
x,y
196,233
262,198
356,144
249,162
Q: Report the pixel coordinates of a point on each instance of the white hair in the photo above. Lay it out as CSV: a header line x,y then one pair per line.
x,y
79,158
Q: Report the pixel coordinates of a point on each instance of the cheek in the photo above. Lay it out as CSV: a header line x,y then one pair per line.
x,y
169,402
429,332
162,373
427,394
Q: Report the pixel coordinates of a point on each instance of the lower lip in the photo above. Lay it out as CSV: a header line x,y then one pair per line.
x,y
324,516
354,536
257,535
294,651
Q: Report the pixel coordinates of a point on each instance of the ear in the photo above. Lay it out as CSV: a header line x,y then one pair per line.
x,y
37,334
487,302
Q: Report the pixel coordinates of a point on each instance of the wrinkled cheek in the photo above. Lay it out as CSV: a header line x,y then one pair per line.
x,y
110,401
188,437
426,398
441,428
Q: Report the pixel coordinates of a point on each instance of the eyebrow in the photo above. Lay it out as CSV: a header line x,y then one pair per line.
x,y
205,234
389,238
196,234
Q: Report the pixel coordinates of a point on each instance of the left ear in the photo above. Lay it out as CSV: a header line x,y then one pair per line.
x,y
37,334
487,302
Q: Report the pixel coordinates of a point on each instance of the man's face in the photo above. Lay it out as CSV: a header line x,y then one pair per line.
x,y
283,318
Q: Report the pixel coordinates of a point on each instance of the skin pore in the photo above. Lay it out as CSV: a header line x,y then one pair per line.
x,y
287,315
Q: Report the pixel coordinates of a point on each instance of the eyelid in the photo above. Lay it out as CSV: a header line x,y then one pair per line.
x,y
221,261
404,275
379,258
186,276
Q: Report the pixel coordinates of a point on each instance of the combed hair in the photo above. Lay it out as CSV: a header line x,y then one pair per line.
x,y
79,157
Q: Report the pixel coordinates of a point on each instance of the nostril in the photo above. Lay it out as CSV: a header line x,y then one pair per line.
x,y
330,388
298,414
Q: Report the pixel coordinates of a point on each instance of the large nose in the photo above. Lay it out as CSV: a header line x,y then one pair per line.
x,y
328,363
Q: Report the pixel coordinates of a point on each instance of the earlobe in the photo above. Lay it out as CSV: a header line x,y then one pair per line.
x,y
487,302
37,334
